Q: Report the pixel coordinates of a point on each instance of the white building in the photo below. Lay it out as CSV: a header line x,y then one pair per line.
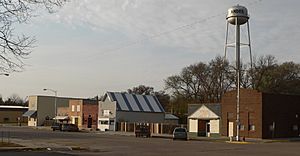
x,y
123,107
204,119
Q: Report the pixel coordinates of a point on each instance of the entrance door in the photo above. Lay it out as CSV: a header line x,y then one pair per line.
x,y
202,127
230,129
76,121
89,125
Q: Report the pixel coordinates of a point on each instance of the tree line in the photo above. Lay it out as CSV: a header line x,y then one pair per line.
x,y
207,82
13,100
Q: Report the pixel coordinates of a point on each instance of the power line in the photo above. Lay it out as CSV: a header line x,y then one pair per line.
x,y
180,28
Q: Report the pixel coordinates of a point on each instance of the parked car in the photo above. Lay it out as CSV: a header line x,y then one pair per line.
x,y
69,127
142,130
56,126
180,133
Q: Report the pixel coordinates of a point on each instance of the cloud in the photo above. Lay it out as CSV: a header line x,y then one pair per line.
x,y
158,21
196,25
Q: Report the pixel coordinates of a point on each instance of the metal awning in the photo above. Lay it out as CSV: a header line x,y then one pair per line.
x,y
61,118
171,117
30,113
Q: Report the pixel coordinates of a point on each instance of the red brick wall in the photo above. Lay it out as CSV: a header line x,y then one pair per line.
x,y
90,107
250,112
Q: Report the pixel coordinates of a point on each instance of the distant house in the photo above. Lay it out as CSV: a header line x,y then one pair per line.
x,y
123,107
171,119
12,114
262,115
204,119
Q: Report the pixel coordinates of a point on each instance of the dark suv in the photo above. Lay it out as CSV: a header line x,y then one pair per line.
x,y
69,127
56,126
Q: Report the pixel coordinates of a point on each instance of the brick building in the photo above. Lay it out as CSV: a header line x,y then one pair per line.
x,y
84,113
262,115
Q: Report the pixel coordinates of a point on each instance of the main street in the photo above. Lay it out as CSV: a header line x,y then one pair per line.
x,y
108,144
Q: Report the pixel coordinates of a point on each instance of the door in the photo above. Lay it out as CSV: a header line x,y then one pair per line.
x,y
89,125
76,121
201,127
230,129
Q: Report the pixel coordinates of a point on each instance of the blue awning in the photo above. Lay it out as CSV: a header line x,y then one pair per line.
x,y
30,113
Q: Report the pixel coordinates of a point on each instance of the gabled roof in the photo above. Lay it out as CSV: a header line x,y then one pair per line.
x,y
204,111
136,103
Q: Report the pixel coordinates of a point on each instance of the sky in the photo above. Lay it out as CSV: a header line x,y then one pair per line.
x,y
89,47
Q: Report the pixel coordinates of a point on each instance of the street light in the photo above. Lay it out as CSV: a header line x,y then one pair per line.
x,y
55,99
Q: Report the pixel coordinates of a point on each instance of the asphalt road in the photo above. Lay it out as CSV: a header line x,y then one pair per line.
x,y
103,144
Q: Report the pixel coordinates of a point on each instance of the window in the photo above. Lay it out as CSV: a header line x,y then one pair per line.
x,y
78,108
103,122
106,112
295,127
230,115
251,116
73,108
271,128
6,119
252,127
242,127
112,122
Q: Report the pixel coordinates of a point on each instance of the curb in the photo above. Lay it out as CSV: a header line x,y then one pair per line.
x,y
239,142
21,149
40,148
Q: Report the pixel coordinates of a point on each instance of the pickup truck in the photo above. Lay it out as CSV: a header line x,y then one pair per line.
x,y
142,130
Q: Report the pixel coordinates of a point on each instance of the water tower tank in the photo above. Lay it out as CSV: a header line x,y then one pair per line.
x,y
237,12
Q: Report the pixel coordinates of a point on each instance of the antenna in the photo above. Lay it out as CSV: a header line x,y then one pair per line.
x,y
237,16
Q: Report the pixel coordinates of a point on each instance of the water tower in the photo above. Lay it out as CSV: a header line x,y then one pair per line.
x,y
237,16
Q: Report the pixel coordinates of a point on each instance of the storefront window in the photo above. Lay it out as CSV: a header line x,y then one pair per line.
x,y
103,122
252,127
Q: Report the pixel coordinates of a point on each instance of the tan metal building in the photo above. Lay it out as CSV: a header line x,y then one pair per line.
x,y
12,114
42,108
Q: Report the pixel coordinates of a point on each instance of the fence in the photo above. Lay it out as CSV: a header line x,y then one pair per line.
x,y
5,137
155,128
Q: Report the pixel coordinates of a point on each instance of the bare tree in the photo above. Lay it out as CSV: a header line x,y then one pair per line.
x,y
202,82
272,77
142,90
15,48
15,99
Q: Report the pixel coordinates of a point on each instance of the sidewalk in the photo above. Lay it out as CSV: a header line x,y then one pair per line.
x,y
28,145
